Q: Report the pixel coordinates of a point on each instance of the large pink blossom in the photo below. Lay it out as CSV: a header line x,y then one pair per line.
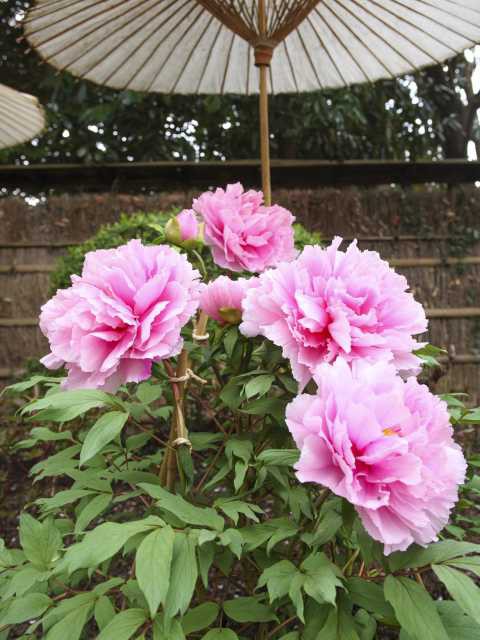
x,y
384,445
329,303
124,312
244,234
222,298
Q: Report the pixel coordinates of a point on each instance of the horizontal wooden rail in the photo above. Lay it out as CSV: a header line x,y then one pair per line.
x,y
462,358
66,243
11,269
286,174
403,263
459,312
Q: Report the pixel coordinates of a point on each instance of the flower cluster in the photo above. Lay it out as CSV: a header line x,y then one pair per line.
x,y
342,318
122,314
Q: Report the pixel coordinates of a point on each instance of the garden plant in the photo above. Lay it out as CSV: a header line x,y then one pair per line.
x,y
239,445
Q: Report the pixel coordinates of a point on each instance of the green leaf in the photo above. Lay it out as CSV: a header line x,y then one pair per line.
x,y
123,625
267,406
92,510
103,542
462,589
104,611
105,429
167,630
21,581
62,498
40,541
232,539
258,386
234,508
247,609
433,554
370,596
152,566
81,400
220,634
278,578
414,609
339,625
467,564
279,457
71,626
26,608
179,507
321,580
200,617
458,625
183,576
295,594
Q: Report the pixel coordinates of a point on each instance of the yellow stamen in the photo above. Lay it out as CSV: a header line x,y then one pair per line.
x,y
389,432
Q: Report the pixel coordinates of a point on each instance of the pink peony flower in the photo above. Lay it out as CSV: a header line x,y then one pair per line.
x,y
384,445
245,235
125,311
183,228
222,299
329,303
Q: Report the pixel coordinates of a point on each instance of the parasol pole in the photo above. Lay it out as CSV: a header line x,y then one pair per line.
x,y
263,56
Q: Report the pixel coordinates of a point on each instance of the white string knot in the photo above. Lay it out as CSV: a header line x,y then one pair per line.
x,y
189,375
200,337
180,442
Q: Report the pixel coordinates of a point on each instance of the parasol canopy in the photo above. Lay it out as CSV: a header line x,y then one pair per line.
x,y
21,117
213,46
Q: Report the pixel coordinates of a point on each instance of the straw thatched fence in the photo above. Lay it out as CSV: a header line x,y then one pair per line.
x,y
431,234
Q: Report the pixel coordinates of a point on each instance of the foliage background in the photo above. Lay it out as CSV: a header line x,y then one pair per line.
x,y
430,114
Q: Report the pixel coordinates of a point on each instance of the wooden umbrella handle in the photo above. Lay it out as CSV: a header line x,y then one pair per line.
x,y
263,56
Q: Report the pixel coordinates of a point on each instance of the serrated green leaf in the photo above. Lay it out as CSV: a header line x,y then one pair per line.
x,y
152,566
462,589
247,609
123,625
414,609
200,617
105,429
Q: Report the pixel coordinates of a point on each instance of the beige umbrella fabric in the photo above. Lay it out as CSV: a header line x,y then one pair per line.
x,y
21,117
212,46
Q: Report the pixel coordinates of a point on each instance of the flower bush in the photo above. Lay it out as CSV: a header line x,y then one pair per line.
x,y
251,456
